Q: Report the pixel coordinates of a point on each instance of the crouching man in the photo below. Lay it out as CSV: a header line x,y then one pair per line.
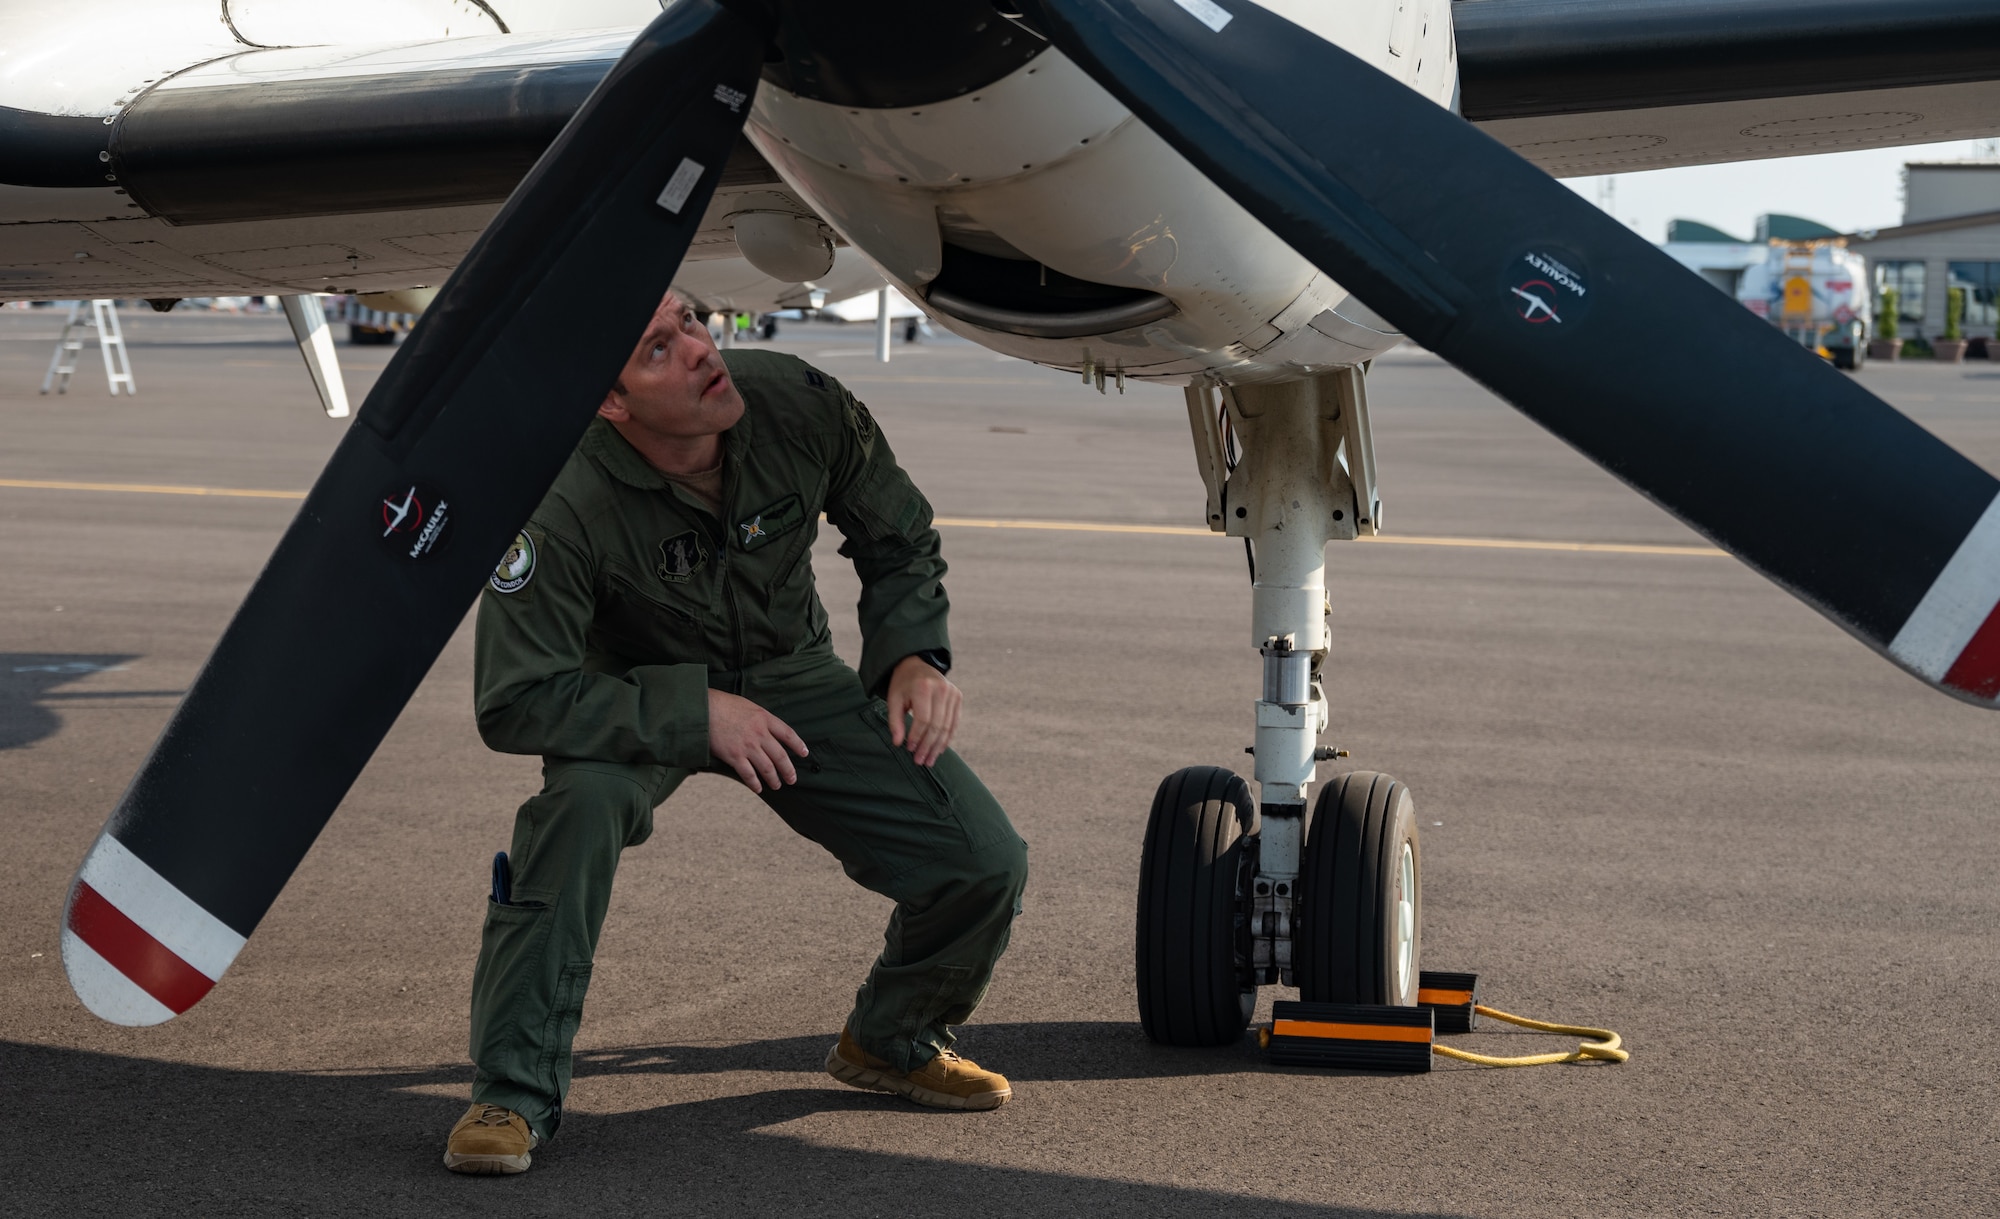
x,y
658,617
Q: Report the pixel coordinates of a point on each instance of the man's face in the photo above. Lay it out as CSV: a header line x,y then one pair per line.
x,y
675,386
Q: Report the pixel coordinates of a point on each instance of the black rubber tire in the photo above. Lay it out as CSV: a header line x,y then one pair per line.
x,y
1191,990
1350,884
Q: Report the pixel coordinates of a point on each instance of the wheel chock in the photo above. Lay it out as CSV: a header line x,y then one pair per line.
x,y
1453,997
1353,1036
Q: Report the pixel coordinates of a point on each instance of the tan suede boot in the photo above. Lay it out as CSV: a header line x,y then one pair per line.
x,y
945,1082
489,1141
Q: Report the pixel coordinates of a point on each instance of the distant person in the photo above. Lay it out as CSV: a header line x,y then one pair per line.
x,y
657,617
770,326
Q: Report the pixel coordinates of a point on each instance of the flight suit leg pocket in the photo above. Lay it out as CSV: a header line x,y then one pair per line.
x,y
923,780
954,790
855,799
510,991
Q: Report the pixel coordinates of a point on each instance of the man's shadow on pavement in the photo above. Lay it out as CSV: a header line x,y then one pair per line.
x,y
1062,1050
92,1133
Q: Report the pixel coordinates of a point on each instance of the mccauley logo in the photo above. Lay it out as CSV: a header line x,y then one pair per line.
x,y
416,520
403,515
1557,271
433,532
1552,289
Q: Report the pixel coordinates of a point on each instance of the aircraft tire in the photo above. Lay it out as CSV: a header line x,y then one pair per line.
x,y
1360,920
1192,989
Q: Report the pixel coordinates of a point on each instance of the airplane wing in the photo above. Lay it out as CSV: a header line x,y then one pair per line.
x,y
1613,86
397,155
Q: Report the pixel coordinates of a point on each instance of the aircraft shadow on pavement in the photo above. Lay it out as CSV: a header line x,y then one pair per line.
x,y
91,1133
28,684
1073,1050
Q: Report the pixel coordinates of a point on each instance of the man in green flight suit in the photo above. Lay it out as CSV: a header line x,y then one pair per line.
x,y
657,617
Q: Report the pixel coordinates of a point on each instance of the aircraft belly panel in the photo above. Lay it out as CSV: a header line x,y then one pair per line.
x,y
1660,137
149,257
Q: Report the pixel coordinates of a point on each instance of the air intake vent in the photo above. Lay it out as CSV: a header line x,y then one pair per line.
x,y
1025,298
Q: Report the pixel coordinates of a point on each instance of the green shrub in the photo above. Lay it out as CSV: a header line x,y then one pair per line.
x,y
1954,314
1917,349
1885,317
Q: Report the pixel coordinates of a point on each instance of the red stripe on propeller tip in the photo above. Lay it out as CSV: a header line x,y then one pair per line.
x,y
151,965
1977,669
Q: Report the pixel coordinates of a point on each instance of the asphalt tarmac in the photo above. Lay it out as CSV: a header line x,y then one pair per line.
x,y
1655,793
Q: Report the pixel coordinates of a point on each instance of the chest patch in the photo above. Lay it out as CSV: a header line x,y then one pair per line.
x,y
765,524
681,556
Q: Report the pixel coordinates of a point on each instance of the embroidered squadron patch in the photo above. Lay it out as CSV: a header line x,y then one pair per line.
x,y
517,566
814,379
681,556
767,523
862,422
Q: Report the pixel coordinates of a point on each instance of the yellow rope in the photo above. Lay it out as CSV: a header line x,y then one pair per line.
x,y
1604,1044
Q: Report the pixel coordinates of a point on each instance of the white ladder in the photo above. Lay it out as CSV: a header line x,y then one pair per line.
x,y
103,318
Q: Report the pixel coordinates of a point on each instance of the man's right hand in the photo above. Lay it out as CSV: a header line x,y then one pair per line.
x,y
752,741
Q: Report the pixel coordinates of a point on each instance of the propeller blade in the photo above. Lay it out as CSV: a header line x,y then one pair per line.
x,y
1584,326
457,443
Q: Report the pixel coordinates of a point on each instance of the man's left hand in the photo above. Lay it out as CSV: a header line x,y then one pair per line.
x,y
930,702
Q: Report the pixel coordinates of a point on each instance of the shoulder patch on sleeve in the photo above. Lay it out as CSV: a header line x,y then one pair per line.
x,y
815,379
517,566
860,420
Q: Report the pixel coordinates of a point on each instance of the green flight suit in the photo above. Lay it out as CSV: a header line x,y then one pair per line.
x,y
622,604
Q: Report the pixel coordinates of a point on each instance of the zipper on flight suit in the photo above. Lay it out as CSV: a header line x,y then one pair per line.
x,y
735,609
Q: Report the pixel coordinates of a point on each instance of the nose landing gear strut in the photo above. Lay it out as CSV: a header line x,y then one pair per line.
x,y
1236,893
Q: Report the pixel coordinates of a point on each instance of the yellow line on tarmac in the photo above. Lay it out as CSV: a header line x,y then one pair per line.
x,y
1070,526
35,484
1378,540
958,522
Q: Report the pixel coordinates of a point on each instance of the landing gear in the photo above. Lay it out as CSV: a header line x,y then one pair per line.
x,y
1195,983
1233,894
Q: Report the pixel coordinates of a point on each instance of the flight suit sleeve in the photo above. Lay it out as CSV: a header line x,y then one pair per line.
x,y
533,694
895,550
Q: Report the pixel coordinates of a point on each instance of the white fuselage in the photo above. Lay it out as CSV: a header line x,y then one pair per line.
x,y
1041,165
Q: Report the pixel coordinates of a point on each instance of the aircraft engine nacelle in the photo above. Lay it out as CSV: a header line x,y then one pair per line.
x,y
1036,215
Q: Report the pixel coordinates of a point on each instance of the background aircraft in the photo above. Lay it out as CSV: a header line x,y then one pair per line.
x,y
1251,201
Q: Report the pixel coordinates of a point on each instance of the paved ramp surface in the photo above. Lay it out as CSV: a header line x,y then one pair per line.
x,y
1655,792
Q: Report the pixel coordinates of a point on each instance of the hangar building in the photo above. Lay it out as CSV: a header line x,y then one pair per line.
x,y
1949,238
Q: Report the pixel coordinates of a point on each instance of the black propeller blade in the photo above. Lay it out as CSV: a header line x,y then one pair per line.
x,y
455,446
1580,323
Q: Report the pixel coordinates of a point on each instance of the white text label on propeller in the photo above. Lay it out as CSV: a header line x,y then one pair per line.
x,y
1209,13
680,186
